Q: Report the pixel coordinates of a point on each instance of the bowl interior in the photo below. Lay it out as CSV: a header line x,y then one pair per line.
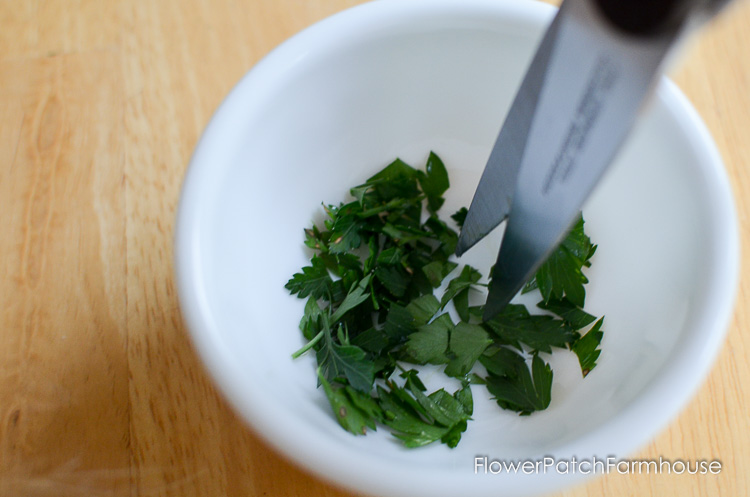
x,y
341,100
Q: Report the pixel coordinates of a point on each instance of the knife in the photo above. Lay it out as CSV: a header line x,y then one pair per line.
x,y
593,72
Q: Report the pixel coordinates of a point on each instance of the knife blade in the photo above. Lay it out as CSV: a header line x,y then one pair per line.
x,y
579,99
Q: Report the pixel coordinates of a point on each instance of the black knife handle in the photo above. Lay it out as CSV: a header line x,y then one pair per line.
x,y
647,17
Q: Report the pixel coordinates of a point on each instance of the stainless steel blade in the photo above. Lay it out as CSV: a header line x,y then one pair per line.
x,y
492,200
594,83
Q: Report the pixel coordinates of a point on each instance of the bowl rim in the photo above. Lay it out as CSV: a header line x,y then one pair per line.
x,y
672,389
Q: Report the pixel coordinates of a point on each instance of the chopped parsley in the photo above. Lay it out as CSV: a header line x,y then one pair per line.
x,y
373,308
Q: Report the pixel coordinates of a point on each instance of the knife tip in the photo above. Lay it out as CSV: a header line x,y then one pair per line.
x,y
494,305
460,249
466,239
462,245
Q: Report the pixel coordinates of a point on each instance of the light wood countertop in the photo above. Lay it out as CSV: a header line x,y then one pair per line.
x,y
101,392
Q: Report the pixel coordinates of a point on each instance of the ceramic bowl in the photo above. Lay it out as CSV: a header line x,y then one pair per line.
x,y
340,100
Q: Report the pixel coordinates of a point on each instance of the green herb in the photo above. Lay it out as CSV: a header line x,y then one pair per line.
x,y
562,274
383,291
354,410
521,389
419,419
429,344
587,347
516,327
467,343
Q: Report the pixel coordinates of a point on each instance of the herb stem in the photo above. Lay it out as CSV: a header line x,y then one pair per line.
x,y
396,202
309,344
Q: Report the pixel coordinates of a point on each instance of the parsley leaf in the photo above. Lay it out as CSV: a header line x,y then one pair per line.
x,y
314,280
460,216
467,342
587,347
406,422
423,308
439,406
397,180
436,271
355,411
371,340
434,182
418,419
523,390
461,283
344,361
309,324
446,237
371,307
515,326
570,313
394,278
501,361
561,274
429,344
399,323
356,296
345,230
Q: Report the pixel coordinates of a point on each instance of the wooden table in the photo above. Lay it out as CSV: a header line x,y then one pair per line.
x,y
101,393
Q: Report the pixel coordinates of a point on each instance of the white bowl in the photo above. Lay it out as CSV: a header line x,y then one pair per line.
x,y
392,79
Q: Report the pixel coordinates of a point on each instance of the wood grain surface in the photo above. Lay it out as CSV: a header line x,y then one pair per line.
x,y
101,393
